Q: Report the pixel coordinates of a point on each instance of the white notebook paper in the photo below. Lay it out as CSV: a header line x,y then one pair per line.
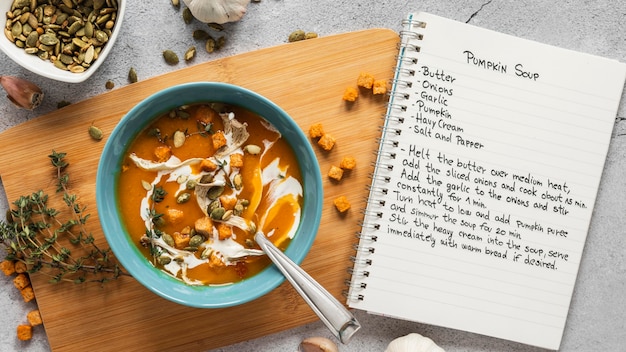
x,y
491,155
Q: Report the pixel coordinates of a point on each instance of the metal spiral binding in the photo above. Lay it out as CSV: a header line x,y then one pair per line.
x,y
365,247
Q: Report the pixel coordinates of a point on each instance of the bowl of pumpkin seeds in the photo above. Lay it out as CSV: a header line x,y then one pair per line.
x,y
65,40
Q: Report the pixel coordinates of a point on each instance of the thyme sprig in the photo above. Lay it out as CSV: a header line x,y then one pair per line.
x,y
43,237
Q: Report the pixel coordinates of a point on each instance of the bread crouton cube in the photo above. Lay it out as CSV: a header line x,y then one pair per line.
x,y
224,231
206,115
335,173
219,140
342,204
365,80
162,153
181,240
7,267
316,130
20,267
327,142
21,280
350,94
24,332
34,317
228,201
174,216
204,226
236,160
208,165
27,293
380,86
347,163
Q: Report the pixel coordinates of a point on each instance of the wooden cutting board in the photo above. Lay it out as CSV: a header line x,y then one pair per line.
x,y
307,79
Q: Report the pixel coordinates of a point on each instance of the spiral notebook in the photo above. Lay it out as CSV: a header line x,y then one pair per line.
x,y
490,158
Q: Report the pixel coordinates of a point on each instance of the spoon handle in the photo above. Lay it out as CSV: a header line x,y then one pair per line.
x,y
334,314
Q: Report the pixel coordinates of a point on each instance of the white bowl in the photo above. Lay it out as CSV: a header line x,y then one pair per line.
x,y
46,68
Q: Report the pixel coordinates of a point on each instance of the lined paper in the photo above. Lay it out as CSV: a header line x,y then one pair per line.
x,y
481,211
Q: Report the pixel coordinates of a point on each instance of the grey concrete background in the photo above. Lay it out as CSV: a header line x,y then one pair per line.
x,y
596,319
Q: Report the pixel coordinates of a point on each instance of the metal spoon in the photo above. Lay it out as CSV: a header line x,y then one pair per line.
x,y
334,314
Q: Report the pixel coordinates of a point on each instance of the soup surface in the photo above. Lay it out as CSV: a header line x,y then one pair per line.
x,y
199,182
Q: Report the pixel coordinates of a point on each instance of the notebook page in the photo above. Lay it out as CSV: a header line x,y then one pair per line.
x,y
485,212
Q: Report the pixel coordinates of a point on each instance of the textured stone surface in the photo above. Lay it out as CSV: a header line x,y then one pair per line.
x,y
596,317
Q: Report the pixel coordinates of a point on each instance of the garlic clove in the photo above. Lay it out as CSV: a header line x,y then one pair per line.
x,y
217,11
24,94
317,344
413,343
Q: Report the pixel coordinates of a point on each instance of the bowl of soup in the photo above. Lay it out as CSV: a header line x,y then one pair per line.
x,y
186,179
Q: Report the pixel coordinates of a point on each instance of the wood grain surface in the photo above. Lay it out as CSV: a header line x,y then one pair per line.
x,y
307,79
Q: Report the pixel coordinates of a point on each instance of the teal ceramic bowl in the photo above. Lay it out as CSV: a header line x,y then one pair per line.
x,y
126,250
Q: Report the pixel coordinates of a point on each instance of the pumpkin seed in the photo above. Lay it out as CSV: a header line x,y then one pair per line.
x,y
252,149
238,181
32,39
297,35
176,3
183,198
95,132
109,84
190,53
164,260
170,57
200,34
179,139
210,44
168,239
146,185
196,241
132,75
218,213
213,205
191,184
16,30
187,15
206,253
89,55
182,179
227,215
215,191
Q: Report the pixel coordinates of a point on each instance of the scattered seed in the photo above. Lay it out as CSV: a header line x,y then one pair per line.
x,y
200,34
170,57
196,241
190,53
310,35
109,84
95,133
176,4
168,239
146,185
132,75
210,45
216,26
297,35
227,215
187,15
62,104
218,213
238,181
164,260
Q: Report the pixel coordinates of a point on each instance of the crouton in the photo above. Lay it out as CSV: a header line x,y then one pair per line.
x,y
20,267
335,173
348,163
224,231
236,160
350,94
162,153
316,130
380,86
204,226
327,142
208,165
174,216
365,80
219,140
181,240
228,201
21,280
206,115
27,293
34,317
7,267
342,204
24,332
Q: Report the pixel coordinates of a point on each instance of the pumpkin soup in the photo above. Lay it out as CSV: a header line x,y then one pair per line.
x,y
199,182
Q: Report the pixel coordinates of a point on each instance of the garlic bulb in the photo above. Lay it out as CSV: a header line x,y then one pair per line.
x,y
22,93
317,344
413,343
217,11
